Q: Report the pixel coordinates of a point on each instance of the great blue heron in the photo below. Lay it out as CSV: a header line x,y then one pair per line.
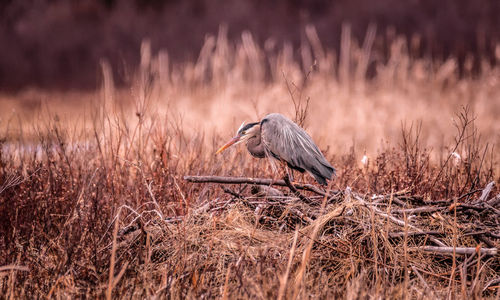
x,y
278,137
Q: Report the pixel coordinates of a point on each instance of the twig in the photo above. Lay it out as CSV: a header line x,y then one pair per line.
x,y
490,283
399,202
13,180
232,193
497,211
482,235
468,194
379,198
14,267
464,124
448,201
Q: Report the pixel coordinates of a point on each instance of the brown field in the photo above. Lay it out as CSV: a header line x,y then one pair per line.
x,y
94,203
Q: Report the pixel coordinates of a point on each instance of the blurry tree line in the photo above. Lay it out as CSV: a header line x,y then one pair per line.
x,y
59,43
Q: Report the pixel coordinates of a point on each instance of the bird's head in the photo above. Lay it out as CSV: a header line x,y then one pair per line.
x,y
243,134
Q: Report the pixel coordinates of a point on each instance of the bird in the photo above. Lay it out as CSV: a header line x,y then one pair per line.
x,y
277,137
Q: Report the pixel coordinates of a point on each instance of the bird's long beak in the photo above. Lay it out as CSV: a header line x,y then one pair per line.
x,y
228,144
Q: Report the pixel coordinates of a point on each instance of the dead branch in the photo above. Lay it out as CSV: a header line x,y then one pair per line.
x,y
413,233
418,210
494,201
459,250
486,192
477,207
249,180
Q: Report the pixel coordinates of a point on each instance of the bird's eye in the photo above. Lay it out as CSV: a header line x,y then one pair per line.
x,y
244,132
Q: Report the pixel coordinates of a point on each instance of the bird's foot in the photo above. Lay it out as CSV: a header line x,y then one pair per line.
x,y
294,190
287,178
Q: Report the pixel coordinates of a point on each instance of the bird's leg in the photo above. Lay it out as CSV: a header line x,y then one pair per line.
x,y
289,172
275,175
294,190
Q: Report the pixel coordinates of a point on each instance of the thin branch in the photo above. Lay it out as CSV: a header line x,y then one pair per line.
x,y
418,210
491,283
13,267
459,250
413,233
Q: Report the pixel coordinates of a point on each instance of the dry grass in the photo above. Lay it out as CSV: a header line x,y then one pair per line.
x,y
93,200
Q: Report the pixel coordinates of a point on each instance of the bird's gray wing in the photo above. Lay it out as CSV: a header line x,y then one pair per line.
x,y
285,140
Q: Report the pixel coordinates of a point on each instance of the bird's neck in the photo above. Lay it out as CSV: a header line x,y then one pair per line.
x,y
255,146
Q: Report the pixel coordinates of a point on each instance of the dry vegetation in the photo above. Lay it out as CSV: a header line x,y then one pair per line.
x,y
94,203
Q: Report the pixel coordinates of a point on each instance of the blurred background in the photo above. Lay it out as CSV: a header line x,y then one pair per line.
x,y
56,44
360,71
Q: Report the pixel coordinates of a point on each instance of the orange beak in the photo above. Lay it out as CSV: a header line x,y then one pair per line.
x,y
228,144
